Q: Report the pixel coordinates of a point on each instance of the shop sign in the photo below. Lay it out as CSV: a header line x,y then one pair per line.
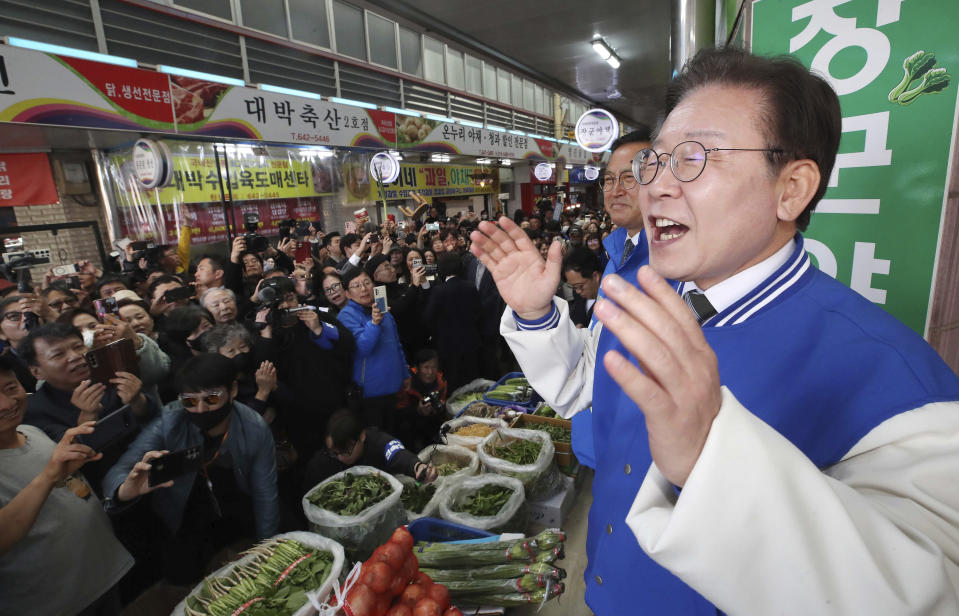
x,y
596,130
224,111
25,179
591,173
384,166
543,172
427,135
151,163
895,67
45,88
435,181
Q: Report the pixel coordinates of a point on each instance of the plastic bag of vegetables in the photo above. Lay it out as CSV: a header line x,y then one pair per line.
x,y
270,577
359,507
488,502
524,454
420,500
469,432
466,394
451,460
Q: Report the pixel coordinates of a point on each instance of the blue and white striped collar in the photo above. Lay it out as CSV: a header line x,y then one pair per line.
x,y
789,265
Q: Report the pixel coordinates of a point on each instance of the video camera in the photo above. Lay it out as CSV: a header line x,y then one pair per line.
x,y
434,399
254,241
17,266
141,250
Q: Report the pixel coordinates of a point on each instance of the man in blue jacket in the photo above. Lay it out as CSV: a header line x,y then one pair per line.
x,y
769,440
379,366
234,493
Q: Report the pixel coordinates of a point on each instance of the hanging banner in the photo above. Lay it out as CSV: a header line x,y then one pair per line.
x,y
222,111
895,67
427,135
435,181
43,88
25,179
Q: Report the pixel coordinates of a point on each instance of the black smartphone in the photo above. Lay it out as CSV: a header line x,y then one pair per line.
x,y
106,306
185,292
175,464
110,429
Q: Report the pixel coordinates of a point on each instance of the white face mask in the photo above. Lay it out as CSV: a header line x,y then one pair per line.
x,y
268,265
88,338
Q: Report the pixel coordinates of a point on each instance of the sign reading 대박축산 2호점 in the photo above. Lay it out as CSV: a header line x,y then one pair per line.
x,y
895,67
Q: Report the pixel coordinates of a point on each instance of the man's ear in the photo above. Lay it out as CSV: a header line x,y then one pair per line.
x,y
35,371
235,389
329,442
798,183
363,436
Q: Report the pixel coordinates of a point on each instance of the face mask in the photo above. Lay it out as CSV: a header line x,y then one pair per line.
x,y
197,343
243,362
210,419
88,338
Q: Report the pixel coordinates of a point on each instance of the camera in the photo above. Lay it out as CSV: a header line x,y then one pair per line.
x,y
254,241
433,399
273,290
179,293
18,266
141,250
286,228
65,270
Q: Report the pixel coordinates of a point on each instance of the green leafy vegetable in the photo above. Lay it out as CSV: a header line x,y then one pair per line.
x,y
517,451
484,502
351,494
448,469
915,67
415,498
935,80
558,434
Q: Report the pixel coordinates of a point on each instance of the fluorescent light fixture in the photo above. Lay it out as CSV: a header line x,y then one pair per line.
x,y
439,118
349,101
69,51
320,151
613,61
549,139
552,165
498,129
185,72
415,114
568,166
281,90
600,47
396,154
518,132
566,141
468,123
506,162
483,161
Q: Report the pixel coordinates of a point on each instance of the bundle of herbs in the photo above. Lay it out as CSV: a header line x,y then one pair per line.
x,y
517,451
484,502
415,496
351,494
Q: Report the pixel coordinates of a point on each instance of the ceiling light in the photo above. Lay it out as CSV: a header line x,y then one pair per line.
x,y
281,90
349,101
184,72
469,123
506,162
613,61
606,52
569,166
483,161
405,112
70,51
439,118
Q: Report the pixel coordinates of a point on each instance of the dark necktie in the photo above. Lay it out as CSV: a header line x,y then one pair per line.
x,y
628,248
697,302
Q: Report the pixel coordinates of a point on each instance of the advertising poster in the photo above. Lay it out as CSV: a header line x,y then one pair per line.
x,y
40,88
435,181
25,179
895,67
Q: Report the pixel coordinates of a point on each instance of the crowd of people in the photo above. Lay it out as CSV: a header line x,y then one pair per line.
x,y
263,374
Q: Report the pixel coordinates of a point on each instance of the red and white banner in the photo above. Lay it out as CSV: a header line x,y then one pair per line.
x,y
25,179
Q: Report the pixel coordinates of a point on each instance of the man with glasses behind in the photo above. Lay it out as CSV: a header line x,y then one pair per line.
x,y
788,446
232,496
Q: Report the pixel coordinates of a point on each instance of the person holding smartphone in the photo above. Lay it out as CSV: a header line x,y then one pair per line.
x,y
51,525
233,492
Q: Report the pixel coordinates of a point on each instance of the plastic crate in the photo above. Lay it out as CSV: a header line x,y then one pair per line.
x,y
437,530
533,401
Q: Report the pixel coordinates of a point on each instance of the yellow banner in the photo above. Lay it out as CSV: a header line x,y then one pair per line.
x,y
436,181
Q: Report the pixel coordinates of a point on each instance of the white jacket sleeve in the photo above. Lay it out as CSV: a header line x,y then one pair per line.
x,y
558,362
759,530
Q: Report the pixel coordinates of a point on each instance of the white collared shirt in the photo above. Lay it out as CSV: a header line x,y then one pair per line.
x,y
724,294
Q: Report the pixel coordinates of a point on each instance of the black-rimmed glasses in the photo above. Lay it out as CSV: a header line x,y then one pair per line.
x,y
687,161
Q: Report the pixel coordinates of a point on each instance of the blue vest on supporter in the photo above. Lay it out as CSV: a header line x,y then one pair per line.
x,y
804,353
582,427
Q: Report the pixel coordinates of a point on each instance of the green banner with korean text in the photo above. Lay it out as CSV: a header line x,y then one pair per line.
x,y
895,66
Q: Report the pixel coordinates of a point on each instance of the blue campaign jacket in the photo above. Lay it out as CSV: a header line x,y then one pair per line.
x,y
582,427
379,365
250,444
791,351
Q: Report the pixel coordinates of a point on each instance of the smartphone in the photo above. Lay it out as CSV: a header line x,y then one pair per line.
x,y
110,429
138,246
303,251
173,295
175,464
66,270
430,269
103,307
379,295
432,226
106,361
417,263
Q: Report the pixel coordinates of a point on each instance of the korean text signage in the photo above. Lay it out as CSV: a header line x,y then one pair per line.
x,y
895,66
435,181
596,130
25,179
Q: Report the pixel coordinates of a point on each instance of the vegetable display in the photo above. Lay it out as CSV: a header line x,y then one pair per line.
x,y
450,460
517,451
272,578
469,432
351,494
558,434
473,430
447,469
390,584
416,497
498,573
488,411
545,410
512,390
485,502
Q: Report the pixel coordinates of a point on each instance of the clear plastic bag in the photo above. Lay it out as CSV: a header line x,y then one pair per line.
x,y
466,459
455,402
360,534
431,509
512,516
541,478
310,540
469,442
